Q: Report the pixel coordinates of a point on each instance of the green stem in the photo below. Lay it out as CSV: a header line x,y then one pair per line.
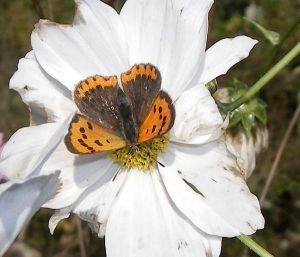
x,y
288,33
264,79
260,251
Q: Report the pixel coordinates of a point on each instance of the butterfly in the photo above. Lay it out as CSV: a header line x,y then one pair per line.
x,y
113,118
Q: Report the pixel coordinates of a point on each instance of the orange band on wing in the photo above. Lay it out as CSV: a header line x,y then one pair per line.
x,y
94,82
86,136
139,70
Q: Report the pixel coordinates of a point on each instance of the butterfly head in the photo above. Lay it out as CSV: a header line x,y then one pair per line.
x,y
134,148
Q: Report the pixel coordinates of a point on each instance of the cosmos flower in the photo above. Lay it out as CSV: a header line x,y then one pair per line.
x,y
245,148
192,195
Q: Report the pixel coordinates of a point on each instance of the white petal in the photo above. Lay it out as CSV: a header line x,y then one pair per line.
x,y
261,139
215,245
30,147
94,44
19,202
102,25
95,202
223,55
57,217
143,223
95,205
170,35
244,151
78,173
39,89
224,205
198,119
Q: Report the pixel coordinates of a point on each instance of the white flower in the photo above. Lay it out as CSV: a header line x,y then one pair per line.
x,y
185,206
244,148
19,201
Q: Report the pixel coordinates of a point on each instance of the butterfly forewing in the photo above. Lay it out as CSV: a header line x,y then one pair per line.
x,y
86,137
159,120
99,99
141,85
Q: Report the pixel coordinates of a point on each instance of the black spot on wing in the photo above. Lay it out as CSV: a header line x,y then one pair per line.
x,y
90,126
97,142
153,128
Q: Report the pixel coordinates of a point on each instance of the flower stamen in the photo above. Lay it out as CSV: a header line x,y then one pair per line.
x,y
144,157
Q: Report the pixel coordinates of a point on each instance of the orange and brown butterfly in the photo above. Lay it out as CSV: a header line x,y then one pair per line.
x,y
112,118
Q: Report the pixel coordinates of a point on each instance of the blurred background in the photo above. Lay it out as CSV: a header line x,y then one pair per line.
x,y
281,208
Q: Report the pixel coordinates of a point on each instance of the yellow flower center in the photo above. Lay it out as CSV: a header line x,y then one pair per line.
x,y
144,157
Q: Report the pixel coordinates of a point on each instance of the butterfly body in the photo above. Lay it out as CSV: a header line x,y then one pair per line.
x,y
129,125
112,118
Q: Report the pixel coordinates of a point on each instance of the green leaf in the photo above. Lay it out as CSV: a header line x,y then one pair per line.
x,y
249,113
235,118
272,36
248,123
239,88
212,86
260,111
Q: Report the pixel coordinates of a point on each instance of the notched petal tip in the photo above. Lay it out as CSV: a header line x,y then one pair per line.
x,y
224,54
58,216
244,44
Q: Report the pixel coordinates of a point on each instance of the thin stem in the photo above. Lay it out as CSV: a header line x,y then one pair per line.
x,y
80,238
288,33
50,10
279,154
38,9
260,251
265,79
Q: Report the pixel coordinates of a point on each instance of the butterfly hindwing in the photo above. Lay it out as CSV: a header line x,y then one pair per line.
x,y
86,137
141,85
101,99
160,118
